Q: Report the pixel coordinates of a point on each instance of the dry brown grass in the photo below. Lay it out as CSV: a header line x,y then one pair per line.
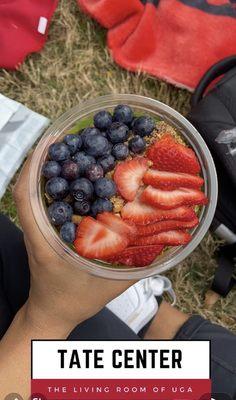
x,y
75,66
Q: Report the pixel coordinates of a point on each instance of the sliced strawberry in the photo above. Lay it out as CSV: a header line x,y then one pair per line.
x,y
139,256
164,226
168,155
168,199
142,214
171,180
117,224
95,240
128,176
169,238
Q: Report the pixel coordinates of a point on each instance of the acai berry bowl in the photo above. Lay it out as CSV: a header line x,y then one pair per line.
x,y
123,186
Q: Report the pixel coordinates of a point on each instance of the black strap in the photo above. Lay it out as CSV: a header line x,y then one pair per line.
x,y
214,72
224,279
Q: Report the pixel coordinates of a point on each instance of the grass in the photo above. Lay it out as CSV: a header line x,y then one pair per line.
x,y
75,66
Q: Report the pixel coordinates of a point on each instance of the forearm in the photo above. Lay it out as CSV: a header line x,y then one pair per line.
x,y
15,349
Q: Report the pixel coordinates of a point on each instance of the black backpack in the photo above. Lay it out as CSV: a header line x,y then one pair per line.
x,y
214,116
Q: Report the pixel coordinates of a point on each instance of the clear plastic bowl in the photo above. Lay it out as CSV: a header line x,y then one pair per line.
x,y
144,105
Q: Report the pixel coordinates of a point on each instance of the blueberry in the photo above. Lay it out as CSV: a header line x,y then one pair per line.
x,y
67,232
120,151
89,132
118,132
70,170
57,188
109,149
83,160
94,172
82,207
59,152
104,188
74,142
143,126
51,169
107,162
96,145
123,113
102,120
81,189
137,144
59,212
101,205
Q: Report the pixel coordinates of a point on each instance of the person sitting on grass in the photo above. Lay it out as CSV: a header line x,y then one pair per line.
x,y
43,297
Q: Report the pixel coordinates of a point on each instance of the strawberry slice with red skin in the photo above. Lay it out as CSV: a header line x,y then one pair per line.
x,y
95,240
164,226
168,199
117,224
138,256
171,180
169,238
142,214
128,176
169,155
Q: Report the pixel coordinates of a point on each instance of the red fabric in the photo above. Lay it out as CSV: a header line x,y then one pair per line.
x,y
19,36
176,41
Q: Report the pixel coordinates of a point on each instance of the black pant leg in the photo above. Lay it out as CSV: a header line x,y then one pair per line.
x,y
103,326
223,352
14,269
6,315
